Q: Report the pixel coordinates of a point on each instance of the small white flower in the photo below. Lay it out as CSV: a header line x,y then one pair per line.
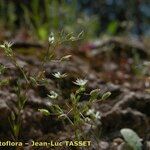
x,y
80,82
97,115
53,95
87,119
90,112
51,38
59,75
6,44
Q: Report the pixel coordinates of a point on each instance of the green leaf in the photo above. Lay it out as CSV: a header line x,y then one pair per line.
x,y
22,101
73,98
94,94
106,95
64,58
44,112
2,69
13,117
112,27
80,35
33,81
42,32
4,82
57,109
16,129
80,90
131,138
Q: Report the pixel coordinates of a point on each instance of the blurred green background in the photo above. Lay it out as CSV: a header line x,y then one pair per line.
x,y
94,17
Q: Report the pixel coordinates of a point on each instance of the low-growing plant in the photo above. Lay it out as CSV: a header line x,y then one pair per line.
x,y
78,113
131,138
75,111
15,118
21,88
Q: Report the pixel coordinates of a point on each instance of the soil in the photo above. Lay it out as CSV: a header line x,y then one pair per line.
x,y
106,68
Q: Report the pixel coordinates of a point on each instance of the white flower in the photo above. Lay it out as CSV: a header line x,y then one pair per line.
x,y
97,115
51,38
90,112
6,45
59,75
80,82
87,119
53,95
7,48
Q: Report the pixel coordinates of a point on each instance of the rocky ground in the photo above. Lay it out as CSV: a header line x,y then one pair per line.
x,y
127,107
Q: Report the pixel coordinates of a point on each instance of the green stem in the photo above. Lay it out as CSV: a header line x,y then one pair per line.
x,y
22,71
